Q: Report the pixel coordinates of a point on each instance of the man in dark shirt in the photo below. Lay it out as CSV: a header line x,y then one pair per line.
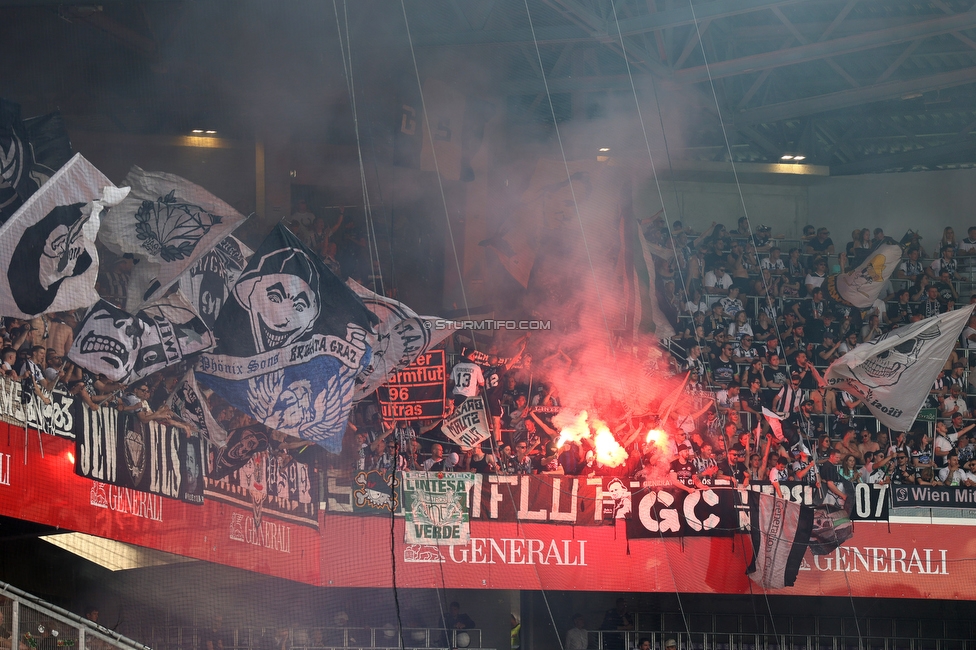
x,y
833,485
683,471
947,291
458,620
723,368
822,243
931,306
904,472
752,399
616,619
215,637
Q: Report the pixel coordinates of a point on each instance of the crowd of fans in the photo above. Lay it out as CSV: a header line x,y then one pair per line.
x,y
753,330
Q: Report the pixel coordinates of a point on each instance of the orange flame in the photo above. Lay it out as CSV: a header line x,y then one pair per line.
x,y
658,437
608,450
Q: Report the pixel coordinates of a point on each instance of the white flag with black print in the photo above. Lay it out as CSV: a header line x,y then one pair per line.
x,y
168,224
862,285
126,347
893,374
47,248
400,338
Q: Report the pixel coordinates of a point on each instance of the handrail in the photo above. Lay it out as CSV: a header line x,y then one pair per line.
x,y
84,626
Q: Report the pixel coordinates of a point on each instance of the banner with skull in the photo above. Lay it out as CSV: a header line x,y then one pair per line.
x,y
47,248
401,336
291,339
126,347
862,285
168,223
31,151
894,373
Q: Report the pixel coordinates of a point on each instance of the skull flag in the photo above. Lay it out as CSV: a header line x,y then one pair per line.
x,y
894,373
31,151
169,224
47,249
291,339
126,347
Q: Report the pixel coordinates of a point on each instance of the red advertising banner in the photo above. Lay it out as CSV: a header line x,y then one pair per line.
x,y
881,560
46,490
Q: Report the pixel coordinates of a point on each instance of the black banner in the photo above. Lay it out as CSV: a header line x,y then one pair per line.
x,y
670,512
923,496
871,502
417,391
270,484
152,457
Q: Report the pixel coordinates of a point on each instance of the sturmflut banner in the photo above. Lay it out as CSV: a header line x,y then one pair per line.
x,y
435,506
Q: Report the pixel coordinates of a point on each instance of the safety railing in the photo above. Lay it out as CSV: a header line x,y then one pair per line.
x,y
37,625
609,640
319,638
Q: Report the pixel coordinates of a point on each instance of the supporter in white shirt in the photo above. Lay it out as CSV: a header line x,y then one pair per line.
x,y
968,245
969,334
718,281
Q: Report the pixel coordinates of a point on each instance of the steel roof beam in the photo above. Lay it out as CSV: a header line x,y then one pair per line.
x,y
927,156
825,49
606,32
855,97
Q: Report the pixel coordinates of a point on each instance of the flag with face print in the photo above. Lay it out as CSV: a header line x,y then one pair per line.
x,y
291,340
47,248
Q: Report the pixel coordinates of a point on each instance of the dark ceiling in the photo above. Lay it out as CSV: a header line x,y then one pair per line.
x,y
857,85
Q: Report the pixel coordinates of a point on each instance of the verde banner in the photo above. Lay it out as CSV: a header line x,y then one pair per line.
x,y
435,506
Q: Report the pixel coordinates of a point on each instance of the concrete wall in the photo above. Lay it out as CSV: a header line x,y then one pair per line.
x,y
923,201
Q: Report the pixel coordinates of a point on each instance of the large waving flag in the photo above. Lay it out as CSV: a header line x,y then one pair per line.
x,y
862,285
169,224
291,339
894,373
31,151
207,283
400,338
126,347
191,406
780,531
47,249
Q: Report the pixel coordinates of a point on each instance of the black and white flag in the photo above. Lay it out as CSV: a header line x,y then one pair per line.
x,y
780,531
401,336
126,347
207,283
190,405
291,339
31,151
168,223
47,248
893,374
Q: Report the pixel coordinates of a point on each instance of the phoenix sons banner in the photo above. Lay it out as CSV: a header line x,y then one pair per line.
x,y
119,449
291,339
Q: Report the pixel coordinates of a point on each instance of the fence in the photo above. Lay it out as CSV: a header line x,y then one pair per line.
x,y
38,625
